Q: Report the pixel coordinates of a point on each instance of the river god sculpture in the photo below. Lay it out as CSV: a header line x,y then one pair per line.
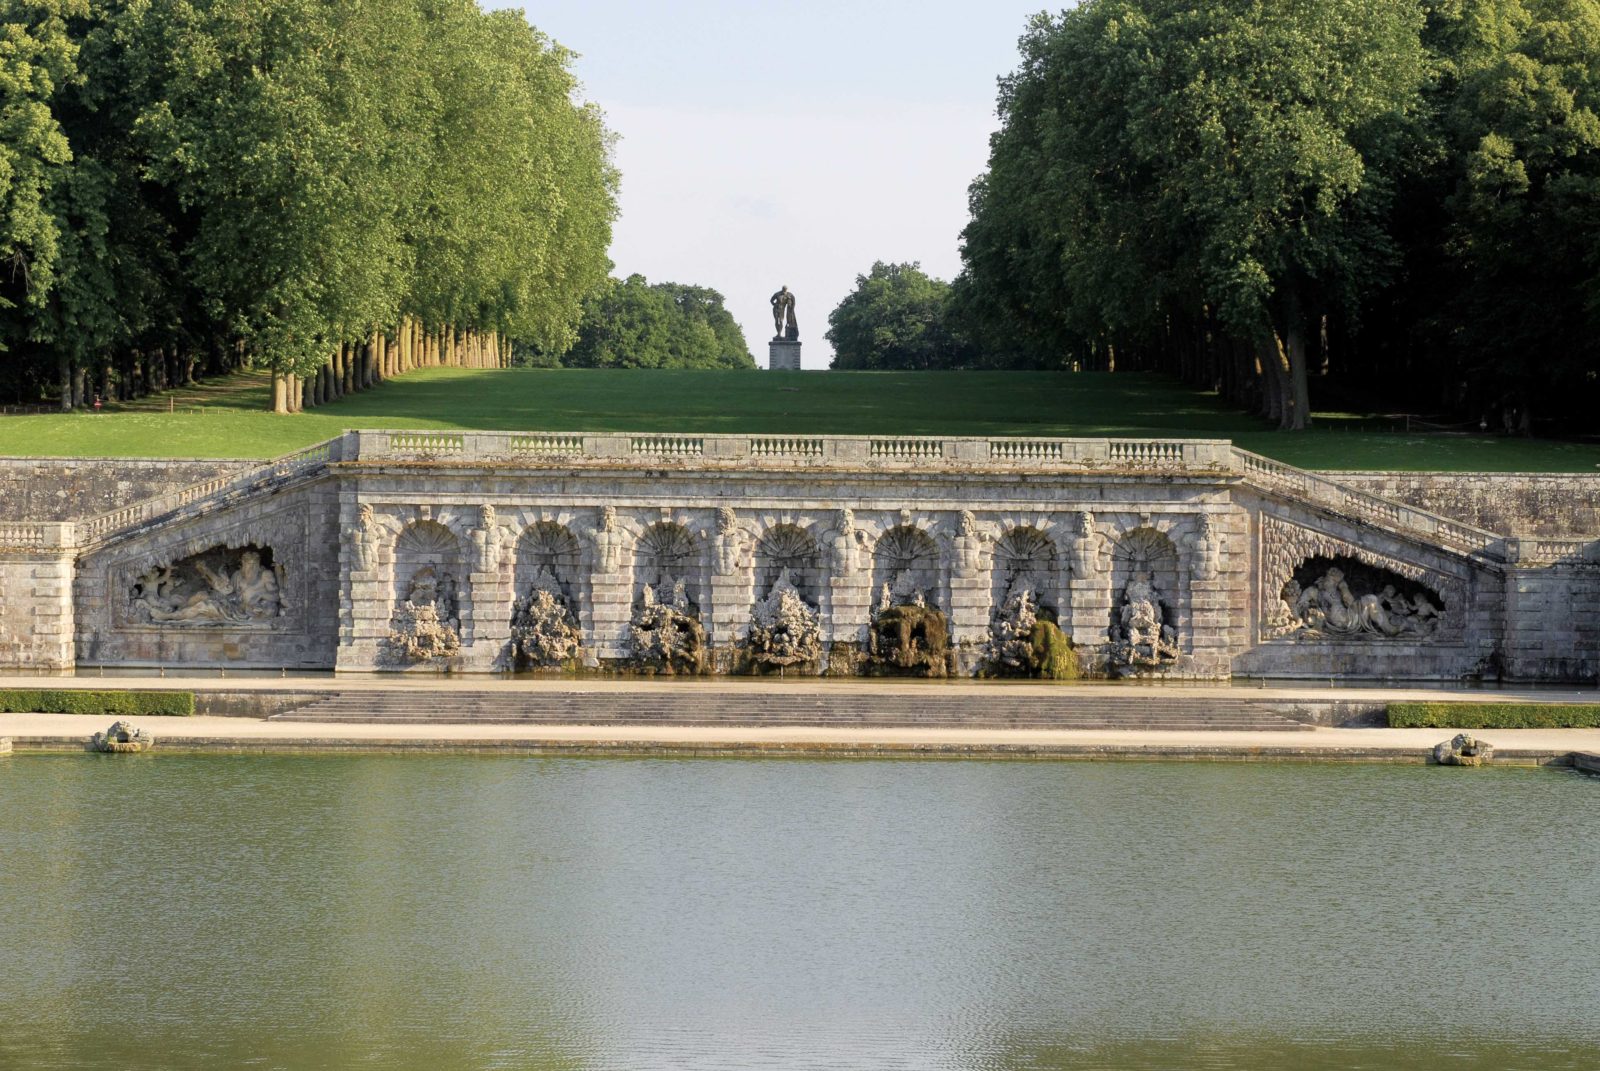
x,y
217,587
1329,607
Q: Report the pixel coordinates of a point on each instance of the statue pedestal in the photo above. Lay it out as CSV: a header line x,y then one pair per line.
x,y
783,356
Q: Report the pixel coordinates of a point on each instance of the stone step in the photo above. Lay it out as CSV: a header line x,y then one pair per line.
x,y
723,710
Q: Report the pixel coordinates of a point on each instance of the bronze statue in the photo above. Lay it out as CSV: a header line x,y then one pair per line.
x,y
783,321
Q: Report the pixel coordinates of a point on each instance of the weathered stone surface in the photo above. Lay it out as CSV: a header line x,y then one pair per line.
x,y
1554,505
1217,535
67,489
123,738
1463,750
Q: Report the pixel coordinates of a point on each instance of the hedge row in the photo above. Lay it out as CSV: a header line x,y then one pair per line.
x,y
1493,716
63,701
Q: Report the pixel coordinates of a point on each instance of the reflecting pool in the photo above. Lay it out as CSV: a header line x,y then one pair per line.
x,y
472,912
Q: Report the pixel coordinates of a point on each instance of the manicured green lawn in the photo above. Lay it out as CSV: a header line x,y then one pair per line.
x,y
228,419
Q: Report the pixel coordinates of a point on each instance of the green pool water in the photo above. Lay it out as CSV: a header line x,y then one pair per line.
x,y
469,912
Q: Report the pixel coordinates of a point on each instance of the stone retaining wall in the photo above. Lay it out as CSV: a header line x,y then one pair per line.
x,y
69,489
1239,565
1558,505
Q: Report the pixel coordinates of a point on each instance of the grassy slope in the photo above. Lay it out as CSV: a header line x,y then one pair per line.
x,y
228,419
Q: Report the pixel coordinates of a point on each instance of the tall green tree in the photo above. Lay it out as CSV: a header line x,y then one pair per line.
x,y
38,58
897,317
635,324
1213,169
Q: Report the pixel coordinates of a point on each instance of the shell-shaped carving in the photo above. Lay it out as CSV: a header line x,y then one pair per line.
x,y
905,548
427,537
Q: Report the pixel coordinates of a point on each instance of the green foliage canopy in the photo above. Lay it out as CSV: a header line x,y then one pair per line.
x,y
632,323
897,318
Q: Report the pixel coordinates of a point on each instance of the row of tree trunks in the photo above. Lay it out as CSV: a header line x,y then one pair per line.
x,y
128,376
356,366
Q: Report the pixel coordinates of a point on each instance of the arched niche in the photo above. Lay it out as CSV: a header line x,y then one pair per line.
x,y
546,545
906,558
665,553
1148,553
427,545
1026,556
791,547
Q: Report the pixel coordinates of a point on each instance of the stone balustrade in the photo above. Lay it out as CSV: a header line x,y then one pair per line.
x,y
781,451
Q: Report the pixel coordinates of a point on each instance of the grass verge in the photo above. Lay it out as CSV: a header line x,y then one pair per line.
x,y
72,701
227,418
1494,716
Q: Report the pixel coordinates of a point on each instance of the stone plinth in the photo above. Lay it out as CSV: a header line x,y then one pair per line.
x,y
783,356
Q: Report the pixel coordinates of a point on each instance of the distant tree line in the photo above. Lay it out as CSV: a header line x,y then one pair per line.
x,y
332,190
1398,202
632,323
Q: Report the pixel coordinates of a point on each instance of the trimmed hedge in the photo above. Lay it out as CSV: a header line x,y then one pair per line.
x,y
1493,716
65,701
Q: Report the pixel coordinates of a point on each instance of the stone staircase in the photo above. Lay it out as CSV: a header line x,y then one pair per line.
x,y
1004,709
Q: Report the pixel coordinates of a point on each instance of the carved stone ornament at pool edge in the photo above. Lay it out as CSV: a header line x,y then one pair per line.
x,y
218,587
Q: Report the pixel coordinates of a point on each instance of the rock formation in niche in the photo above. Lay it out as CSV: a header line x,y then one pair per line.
x,y
908,636
665,632
427,623
222,586
1347,599
1024,639
784,629
1141,639
544,630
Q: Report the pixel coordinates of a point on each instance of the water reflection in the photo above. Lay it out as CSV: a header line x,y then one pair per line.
x,y
437,912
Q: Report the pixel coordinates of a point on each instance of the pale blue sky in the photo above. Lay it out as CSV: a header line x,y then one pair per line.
x,y
765,145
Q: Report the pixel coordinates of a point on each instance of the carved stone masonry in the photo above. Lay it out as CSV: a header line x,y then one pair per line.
x,y
219,587
1392,599
544,630
1140,635
784,628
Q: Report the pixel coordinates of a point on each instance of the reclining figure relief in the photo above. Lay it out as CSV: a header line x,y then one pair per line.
x,y
1330,606
218,587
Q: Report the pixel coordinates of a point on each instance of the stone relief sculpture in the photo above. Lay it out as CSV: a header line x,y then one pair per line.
x,y
969,543
1390,598
665,631
907,635
544,629
365,537
427,623
1140,636
1024,638
729,545
610,542
221,586
487,541
844,546
1329,607
784,628
1083,549
1205,548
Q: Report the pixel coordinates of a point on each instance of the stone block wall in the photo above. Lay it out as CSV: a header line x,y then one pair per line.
x,y
66,489
1556,505
295,531
36,603
310,570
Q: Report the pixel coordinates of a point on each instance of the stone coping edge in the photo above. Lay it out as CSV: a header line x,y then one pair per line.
x,y
816,749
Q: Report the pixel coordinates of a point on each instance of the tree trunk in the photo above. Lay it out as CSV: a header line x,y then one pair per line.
x,y
280,394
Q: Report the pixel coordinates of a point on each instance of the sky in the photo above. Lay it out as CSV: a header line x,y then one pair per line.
x,y
765,145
